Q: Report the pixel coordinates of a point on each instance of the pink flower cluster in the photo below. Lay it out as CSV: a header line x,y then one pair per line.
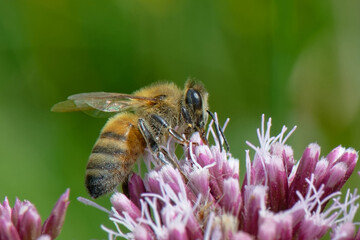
x,y
23,222
279,198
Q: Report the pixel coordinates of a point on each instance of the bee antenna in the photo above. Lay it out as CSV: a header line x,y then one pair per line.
x,y
225,140
219,131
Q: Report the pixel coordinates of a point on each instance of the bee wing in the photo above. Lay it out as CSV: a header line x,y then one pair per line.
x,y
97,103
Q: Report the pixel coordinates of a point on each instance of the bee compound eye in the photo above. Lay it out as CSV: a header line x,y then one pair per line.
x,y
193,98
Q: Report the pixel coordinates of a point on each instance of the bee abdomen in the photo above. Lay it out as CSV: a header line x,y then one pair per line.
x,y
113,135
113,155
108,151
103,162
107,162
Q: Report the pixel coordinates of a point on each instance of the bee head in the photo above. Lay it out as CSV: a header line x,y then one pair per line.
x,y
193,108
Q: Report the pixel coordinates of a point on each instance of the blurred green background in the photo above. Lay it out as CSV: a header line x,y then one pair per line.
x,y
296,61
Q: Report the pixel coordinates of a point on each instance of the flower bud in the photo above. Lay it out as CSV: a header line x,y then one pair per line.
x,y
8,230
121,203
231,202
345,232
310,228
53,224
29,223
254,200
178,232
305,168
136,188
278,183
142,233
240,235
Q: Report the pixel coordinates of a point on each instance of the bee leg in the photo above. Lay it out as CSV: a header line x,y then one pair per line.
x,y
154,147
150,140
125,187
161,155
181,140
186,115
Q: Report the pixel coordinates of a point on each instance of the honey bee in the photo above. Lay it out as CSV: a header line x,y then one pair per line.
x,y
146,118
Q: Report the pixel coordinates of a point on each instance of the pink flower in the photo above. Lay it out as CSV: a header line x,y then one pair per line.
x,y
279,198
24,222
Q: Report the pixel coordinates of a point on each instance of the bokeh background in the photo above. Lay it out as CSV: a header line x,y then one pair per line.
x,y
296,61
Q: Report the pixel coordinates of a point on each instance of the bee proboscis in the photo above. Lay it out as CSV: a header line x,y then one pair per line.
x,y
146,118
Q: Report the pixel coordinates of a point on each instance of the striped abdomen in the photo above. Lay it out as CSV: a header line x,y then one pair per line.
x,y
114,154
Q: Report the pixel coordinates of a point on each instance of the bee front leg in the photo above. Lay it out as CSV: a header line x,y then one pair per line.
x,y
151,142
190,125
177,136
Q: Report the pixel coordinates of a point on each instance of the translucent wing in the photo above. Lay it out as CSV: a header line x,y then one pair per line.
x,y
97,103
